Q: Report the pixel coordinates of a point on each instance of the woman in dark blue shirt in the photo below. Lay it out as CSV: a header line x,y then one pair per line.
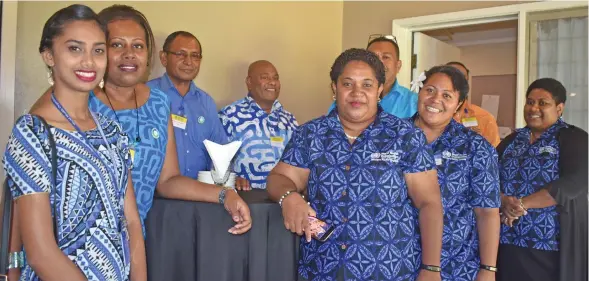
x,y
361,168
544,192
468,176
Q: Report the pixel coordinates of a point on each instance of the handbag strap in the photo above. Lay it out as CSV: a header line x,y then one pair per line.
x,y
8,203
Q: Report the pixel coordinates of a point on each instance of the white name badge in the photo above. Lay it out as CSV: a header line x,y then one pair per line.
x,y
276,141
179,121
132,154
470,122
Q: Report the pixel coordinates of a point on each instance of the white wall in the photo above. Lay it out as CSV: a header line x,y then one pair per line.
x,y
490,59
302,39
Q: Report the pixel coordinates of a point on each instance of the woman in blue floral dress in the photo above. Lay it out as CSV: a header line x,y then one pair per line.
x,y
79,223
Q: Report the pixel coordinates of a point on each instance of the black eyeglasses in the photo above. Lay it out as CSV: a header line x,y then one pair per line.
x,y
387,36
184,55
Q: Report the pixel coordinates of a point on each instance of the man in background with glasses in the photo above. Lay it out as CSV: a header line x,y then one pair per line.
x,y
395,99
194,112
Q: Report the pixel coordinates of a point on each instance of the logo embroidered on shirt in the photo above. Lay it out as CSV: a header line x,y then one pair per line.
x,y
454,156
389,156
548,149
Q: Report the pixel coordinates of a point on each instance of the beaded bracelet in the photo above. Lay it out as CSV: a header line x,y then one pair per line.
x,y
284,196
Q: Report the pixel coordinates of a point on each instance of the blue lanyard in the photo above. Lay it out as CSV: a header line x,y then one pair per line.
x,y
91,149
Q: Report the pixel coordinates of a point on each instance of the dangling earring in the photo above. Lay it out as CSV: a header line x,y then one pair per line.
x,y
379,100
333,97
50,77
101,84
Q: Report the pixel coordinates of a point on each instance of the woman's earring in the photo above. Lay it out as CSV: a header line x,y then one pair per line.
x,y
50,77
333,97
101,84
378,99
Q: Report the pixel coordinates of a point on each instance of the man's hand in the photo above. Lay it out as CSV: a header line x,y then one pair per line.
x,y
485,275
242,184
239,211
426,275
296,211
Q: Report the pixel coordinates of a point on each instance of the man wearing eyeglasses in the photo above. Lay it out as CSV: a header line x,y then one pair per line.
x,y
395,99
194,112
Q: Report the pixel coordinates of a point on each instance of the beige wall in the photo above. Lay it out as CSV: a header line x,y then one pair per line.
x,y
363,18
490,59
301,38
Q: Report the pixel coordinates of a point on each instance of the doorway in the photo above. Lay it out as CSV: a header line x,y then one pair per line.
x,y
489,51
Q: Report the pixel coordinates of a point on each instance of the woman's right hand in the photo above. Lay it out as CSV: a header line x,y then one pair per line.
x,y
511,207
296,211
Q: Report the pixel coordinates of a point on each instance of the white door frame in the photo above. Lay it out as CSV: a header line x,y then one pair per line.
x,y
403,30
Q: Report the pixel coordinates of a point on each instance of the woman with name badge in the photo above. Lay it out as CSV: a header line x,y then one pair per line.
x,y
69,175
362,169
468,176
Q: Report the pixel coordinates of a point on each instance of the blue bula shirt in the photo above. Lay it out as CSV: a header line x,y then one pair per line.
x,y
468,175
264,137
202,124
525,169
360,189
400,102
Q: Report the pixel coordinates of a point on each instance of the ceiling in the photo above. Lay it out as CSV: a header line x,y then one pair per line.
x,y
488,33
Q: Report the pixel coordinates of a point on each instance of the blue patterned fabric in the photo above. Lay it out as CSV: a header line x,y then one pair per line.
x,y
203,124
400,102
525,169
468,175
88,198
150,153
360,189
264,137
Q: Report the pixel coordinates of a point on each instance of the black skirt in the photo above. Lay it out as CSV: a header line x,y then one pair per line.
x,y
526,264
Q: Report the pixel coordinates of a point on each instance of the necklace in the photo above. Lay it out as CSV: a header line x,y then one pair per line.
x,y
350,137
137,138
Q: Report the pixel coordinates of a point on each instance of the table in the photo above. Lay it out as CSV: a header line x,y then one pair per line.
x,y
189,241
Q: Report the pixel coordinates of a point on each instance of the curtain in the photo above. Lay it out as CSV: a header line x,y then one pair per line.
x,y
562,55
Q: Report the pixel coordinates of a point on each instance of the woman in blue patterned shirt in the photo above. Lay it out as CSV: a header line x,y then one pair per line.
x,y
361,168
544,192
74,202
468,176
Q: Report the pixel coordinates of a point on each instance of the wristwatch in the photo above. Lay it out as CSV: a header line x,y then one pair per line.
x,y
223,193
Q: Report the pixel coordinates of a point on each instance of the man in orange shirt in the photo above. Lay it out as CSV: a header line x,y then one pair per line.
x,y
475,117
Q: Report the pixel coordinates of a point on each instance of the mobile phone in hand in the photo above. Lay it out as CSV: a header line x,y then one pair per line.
x,y
320,230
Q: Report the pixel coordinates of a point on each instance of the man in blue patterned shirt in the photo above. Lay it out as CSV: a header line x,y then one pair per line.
x,y
261,123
